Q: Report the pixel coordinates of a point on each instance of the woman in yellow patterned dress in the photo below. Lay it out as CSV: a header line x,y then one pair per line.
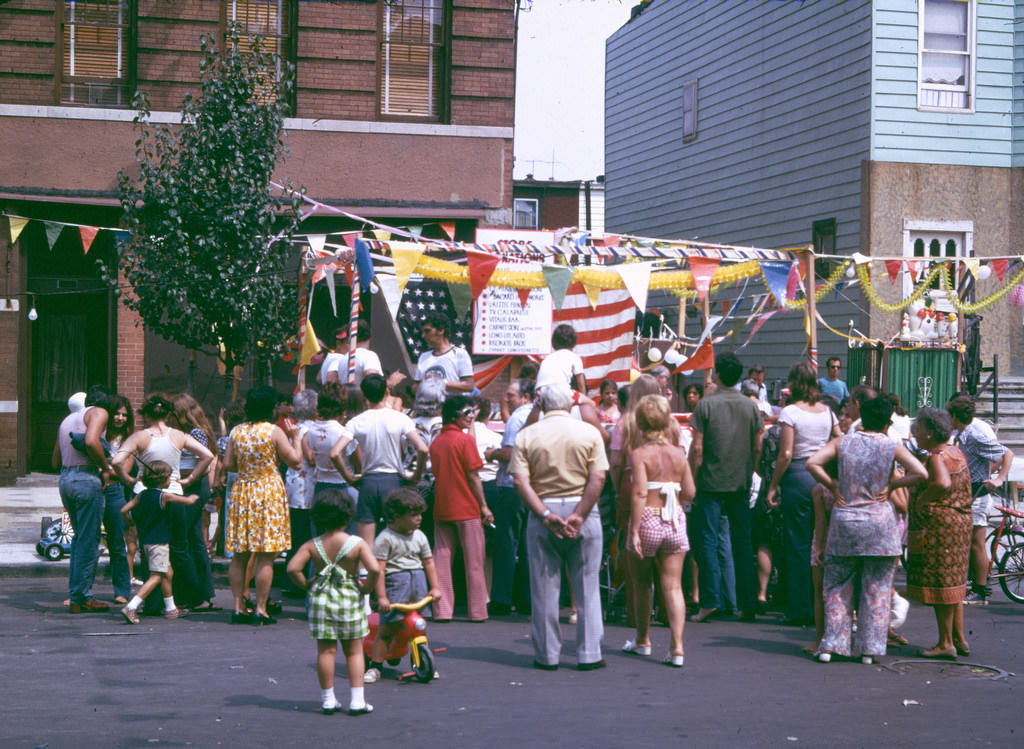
x,y
258,521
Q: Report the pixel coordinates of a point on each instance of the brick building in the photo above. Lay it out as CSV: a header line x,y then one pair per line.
x,y
402,113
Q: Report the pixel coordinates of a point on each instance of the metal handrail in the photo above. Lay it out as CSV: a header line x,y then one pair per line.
x,y
994,380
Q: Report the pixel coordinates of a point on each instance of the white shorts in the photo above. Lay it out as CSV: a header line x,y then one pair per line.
x,y
158,557
980,509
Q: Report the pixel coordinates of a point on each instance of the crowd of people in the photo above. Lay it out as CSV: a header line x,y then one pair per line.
x,y
694,514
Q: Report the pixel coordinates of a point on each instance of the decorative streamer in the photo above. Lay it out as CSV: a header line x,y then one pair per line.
x,y
88,234
353,325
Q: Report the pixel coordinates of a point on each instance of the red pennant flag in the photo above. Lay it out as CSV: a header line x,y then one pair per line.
x,y
524,295
481,267
999,266
725,308
88,234
610,240
914,267
448,227
350,239
702,269
348,274
703,358
893,266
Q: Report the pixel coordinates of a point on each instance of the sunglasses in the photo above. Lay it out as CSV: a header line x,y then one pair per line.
x,y
469,411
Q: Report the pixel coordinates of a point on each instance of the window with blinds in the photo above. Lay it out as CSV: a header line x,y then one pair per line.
x,y
267,19
412,54
95,39
946,46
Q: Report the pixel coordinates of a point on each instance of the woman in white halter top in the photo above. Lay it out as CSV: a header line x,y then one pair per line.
x,y
657,525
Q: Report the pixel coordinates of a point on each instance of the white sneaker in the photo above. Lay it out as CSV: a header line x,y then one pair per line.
x,y
900,608
136,582
372,676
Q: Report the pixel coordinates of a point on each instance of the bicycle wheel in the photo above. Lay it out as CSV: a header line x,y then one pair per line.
x,y
1010,538
425,671
1011,573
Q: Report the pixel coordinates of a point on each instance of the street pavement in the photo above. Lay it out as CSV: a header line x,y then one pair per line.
x,y
92,680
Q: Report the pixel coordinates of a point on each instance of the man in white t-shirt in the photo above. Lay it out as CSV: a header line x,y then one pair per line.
x,y
335,366
562,366
378,432
444,360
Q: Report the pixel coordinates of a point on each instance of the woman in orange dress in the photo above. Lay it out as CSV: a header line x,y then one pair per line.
x,y
939,539
258,524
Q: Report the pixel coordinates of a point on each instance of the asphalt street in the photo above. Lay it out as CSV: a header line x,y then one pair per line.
x,y
94,681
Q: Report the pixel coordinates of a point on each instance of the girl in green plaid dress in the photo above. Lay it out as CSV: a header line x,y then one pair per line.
x,y
335,598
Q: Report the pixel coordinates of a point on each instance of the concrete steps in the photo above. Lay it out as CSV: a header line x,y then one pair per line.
x,y
1010,427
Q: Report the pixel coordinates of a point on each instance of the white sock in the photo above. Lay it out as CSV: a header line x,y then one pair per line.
x,y
133,605
327,697
169,603
356,700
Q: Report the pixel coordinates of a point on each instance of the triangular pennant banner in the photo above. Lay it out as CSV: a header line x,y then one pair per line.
x,y
524,296
347,267
406,259
88,234
416,230
973,264
593,293
776,274
316,242
610,240
329,277
914,268
757,326
702,358
462,297
558,278
392,295
703,269
999,266
481,267
793,281
310,346
893,266
636,277
382,234
16,224
363,261
448,227
53,230
351,239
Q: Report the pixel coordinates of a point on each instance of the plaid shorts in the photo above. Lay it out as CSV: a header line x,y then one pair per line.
x,y
657,536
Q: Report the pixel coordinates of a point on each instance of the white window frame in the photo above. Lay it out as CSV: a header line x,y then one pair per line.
x,y
690,89
961,232
969,89
516,202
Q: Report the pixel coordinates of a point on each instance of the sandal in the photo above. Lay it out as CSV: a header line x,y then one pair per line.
x,y
633,649
274,607
364,710
896,639
207,606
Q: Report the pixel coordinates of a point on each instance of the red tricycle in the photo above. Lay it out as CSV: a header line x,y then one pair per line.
x,y
413,633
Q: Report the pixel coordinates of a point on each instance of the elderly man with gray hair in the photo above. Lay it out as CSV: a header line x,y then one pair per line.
x,y
558,466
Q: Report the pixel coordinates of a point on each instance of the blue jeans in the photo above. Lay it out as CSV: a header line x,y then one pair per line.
x,y
509,520
113,521
798,530
707,514
81,493
728,569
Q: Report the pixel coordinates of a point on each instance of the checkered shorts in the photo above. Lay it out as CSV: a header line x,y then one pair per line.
x,y
657,536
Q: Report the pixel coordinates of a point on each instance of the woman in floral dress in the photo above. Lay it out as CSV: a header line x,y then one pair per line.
x,y
863,542
258,524
940,533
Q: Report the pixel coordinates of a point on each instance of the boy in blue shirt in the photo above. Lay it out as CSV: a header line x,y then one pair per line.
x,y
147,511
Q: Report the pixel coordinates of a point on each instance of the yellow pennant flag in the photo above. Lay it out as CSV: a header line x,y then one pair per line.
x,y
17,224
973,264
593,292
381,234
406,259
310,345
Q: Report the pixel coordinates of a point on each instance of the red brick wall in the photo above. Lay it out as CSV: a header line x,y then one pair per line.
x,y
14,386
130,353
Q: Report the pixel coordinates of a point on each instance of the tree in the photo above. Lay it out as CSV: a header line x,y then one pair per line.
x,y
208,244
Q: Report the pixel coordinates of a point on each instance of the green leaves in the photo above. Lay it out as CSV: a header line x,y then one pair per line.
x,y
208,245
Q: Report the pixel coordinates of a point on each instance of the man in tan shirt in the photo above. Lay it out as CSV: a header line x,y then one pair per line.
x,y
558,466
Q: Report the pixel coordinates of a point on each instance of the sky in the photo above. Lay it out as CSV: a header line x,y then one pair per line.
x,y
560,86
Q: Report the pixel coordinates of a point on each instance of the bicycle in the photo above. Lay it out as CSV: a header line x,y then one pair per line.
x,y
1008,542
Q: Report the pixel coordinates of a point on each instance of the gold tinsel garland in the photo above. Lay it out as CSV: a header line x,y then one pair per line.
x,y
864,273
970,309
821,293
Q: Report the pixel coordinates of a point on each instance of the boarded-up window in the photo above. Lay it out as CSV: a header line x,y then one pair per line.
x,y
267,19
689,110
947,51
412,58
96,52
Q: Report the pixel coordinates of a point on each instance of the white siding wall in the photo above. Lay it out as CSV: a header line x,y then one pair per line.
x,y
1018,84
783,127
901,133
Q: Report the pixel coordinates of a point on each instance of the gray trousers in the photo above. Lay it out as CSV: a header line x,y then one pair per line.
x,y
548,555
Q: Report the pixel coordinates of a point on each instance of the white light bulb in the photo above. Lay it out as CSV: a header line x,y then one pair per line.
x,y
33,315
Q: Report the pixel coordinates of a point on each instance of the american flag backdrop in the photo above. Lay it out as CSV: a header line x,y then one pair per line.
x,y
604,335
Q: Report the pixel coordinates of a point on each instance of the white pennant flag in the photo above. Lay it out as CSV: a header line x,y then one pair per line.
x,y
637,278
392,294
316,242
329,278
